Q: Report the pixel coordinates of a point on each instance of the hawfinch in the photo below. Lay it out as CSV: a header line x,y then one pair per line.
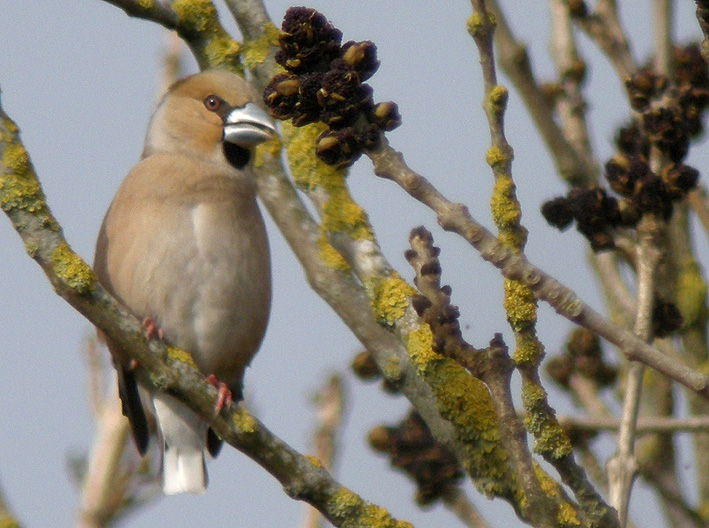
x,y
183,246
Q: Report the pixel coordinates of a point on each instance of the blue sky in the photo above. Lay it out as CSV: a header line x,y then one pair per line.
x,y
80,78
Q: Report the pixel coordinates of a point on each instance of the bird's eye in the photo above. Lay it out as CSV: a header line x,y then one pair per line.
x,y
212,103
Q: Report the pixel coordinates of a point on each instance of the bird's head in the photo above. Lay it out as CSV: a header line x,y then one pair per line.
x,y
213,114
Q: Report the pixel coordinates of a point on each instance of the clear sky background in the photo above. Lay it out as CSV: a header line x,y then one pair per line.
x,y
80,78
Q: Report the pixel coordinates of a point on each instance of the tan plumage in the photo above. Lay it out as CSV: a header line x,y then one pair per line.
x,y
183,243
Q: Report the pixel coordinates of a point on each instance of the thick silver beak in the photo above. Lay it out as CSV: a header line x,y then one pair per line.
x,y
248,126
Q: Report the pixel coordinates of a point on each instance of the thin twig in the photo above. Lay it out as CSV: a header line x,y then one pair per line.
x,y
515,62
571,104
330,406
604,28
455,500
622,467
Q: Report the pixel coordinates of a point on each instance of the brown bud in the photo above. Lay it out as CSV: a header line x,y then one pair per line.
x,y
364,367
380,439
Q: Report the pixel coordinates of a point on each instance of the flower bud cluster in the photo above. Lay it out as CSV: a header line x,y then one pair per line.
x,y
324,81
669,116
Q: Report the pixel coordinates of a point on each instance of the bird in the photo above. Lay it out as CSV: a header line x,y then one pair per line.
x,y
183,246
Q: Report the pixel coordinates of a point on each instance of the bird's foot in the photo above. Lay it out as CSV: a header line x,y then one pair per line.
x,y
224,398
152,330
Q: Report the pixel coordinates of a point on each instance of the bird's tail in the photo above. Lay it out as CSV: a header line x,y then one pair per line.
x,y
184,437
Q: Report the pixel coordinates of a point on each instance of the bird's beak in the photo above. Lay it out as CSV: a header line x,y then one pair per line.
x,y
248,126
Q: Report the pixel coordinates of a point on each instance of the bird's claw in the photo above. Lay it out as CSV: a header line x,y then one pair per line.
x,y
152,330
224,397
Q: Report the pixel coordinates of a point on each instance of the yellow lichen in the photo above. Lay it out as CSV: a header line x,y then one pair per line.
x,y
256,50
314,460
353,511
244,422
341,214
497,98
19,189
222,50
419,344
567,515
473,23
691,295
549,438
520,305
16,159
703,510
503,204
495,157
392,368
267,150
308,171
390,298
330,256
146,4
196,15
529,351
72,270
180,355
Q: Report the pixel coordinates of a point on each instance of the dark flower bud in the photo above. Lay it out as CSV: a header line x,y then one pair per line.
x,y
380,439
629,214
369,137
679,179
595,213
342,96
413,449
577,8
364,367
631,141
559,369
666,129
576,71
308,41
552,92
643,86
281,95
558,212
666,318
693,102
690,67
362,57
338,147
420,304
386,116
618,175
651,197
